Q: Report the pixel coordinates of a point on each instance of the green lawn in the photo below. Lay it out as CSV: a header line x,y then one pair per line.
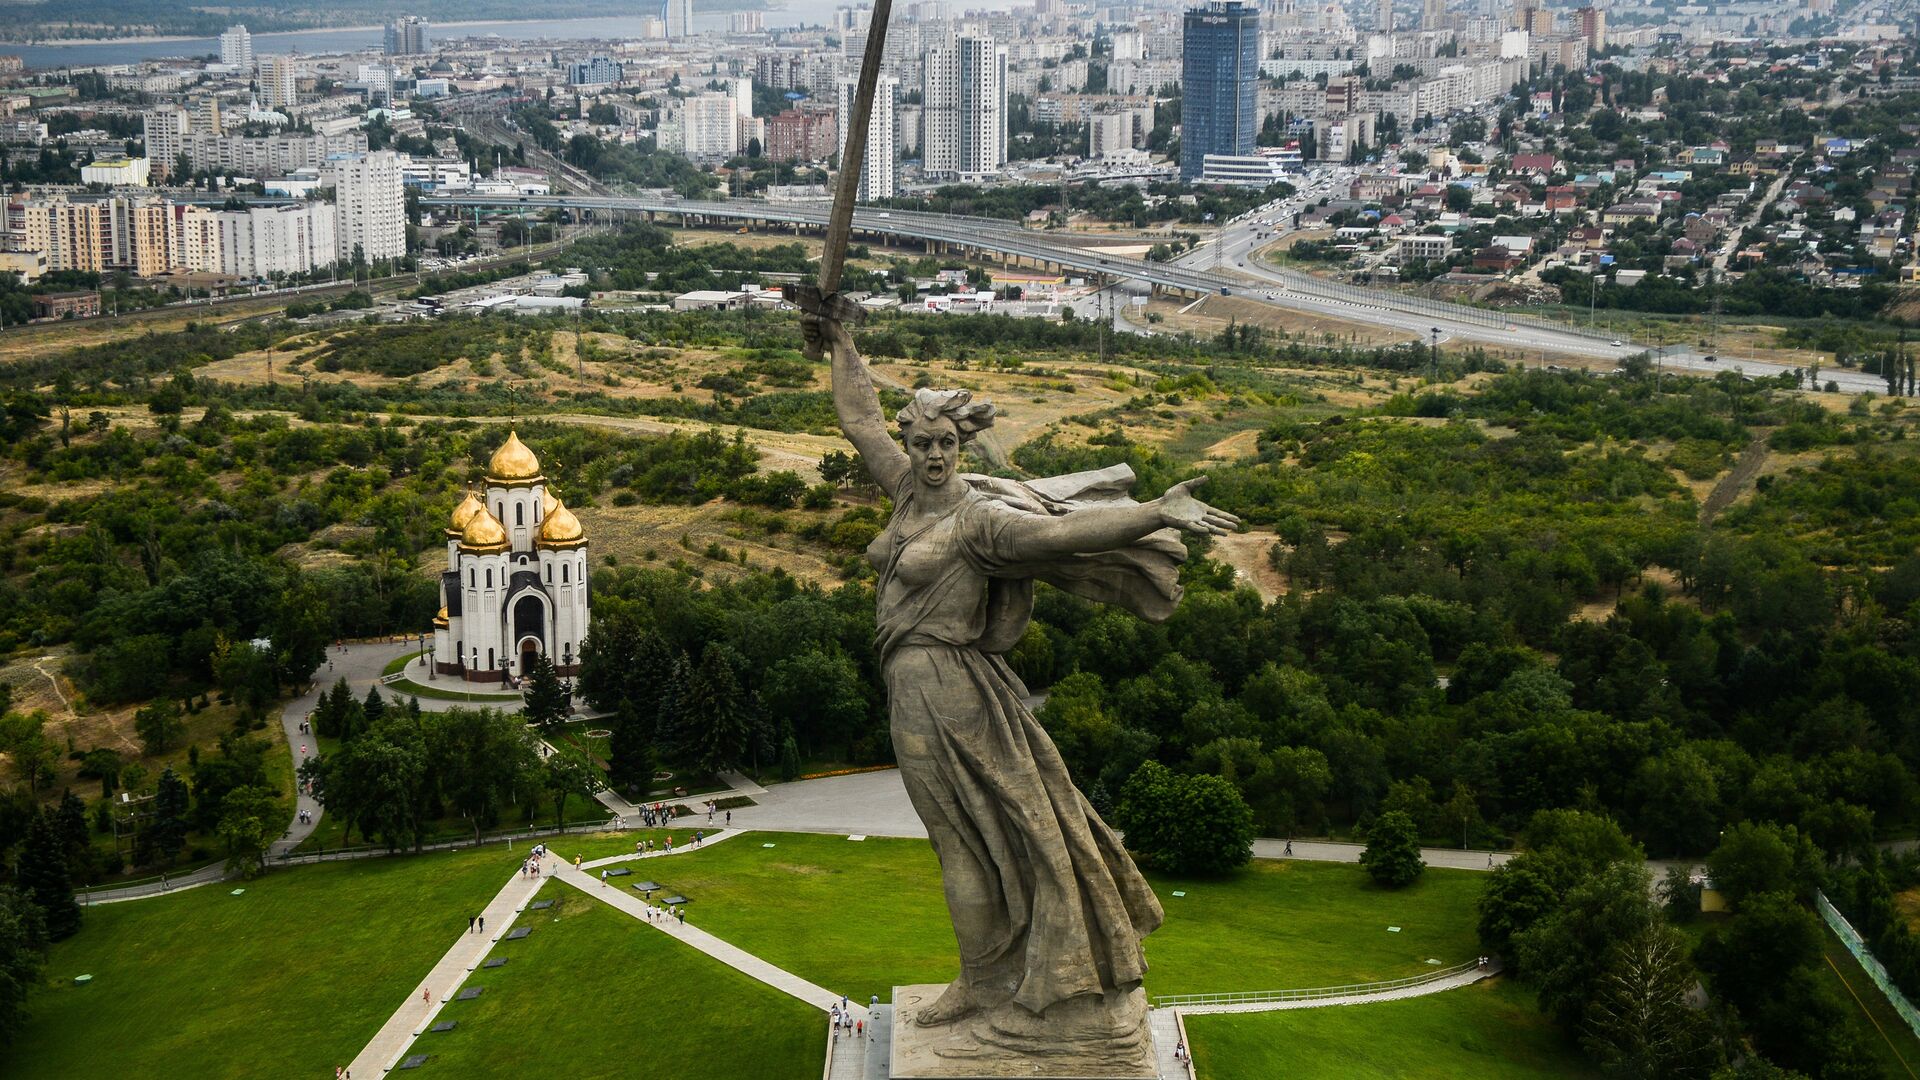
x,y
602,1024
861,917
287,979
1490,1031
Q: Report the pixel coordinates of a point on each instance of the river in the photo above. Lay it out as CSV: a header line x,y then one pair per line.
x,y
789,13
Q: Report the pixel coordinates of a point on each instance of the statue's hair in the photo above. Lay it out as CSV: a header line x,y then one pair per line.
x,y
969,417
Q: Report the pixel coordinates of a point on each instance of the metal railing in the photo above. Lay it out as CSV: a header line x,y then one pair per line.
x,y
1258,997
1868,962
375,851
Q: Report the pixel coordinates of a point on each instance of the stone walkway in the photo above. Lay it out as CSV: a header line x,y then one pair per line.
x,y
416,1013
1451,982
1166,1036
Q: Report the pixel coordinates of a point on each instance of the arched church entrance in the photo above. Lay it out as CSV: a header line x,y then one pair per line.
x,y
529,630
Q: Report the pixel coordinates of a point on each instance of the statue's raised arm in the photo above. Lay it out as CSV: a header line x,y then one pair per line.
x,y
856,401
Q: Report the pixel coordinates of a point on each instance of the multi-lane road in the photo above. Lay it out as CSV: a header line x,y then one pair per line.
x,y
1422,317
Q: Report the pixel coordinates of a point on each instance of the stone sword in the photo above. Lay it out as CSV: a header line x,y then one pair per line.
x,y
824,298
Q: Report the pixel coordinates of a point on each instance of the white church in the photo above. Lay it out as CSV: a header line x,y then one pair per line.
x,y
515,586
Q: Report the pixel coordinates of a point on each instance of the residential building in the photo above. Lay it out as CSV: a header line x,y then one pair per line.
x,y
139,235
1593,26
679,17
880,168
269,155
964,109
1220,111
1425,248
28,266
267,241
371,205
164,132
709,126
236,48
1108,134
72,234
280,82
407,36
803,134
595,71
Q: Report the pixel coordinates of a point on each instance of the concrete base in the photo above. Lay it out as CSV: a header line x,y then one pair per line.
x,y
1084,1039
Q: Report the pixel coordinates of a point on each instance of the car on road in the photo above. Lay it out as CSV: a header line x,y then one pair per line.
x,y
1617,343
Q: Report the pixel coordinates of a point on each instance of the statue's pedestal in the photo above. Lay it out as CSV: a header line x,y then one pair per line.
x,y
1108,1041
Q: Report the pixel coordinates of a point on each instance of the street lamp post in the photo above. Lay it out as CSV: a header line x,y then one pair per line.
x,y
1433,356
431,666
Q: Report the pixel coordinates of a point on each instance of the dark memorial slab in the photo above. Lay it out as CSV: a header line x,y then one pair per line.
x,y
470,993
675,901
541,905
414,1061
519,932
646,886
620,872
498,961
446,1025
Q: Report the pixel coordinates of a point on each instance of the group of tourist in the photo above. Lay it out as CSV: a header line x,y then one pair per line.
x,y
844,1022
655,815
664,914
531,867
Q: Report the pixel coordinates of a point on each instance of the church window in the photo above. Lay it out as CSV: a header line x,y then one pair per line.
x,y
519,513
489,579
563,573
489,659
549,573
473,579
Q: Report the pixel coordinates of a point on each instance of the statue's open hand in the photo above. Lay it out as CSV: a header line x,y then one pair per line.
x,y
1181,510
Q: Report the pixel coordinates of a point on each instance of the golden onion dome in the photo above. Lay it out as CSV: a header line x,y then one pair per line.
x,y
561,529
513,462
463,513
441,619
484,534
547,503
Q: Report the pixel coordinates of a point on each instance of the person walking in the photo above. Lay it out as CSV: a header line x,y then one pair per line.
x,y
1289,848
426,996
471,919
483,924
603,879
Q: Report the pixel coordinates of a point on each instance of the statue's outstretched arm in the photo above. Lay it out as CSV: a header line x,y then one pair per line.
x,y
1105,528
857,404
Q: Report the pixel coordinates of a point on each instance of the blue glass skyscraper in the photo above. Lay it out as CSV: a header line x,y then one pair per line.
x,y
1220,79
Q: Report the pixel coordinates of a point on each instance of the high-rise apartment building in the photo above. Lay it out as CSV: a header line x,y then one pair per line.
x,y
73,234
1593,27
164,130
236,48
880,169
706,127
803,134
407,36
964,109
206,115
1220,100
1432,14
280,82
1383,16
370,205
679,16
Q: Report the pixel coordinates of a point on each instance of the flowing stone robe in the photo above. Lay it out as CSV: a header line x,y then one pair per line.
x,y
1046,903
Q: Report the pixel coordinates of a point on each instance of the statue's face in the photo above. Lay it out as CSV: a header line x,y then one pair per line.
x,y
933,446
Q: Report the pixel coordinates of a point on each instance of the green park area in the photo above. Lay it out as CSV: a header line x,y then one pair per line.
x,y
295,973
863,916
606,1024
1489,1030
291,976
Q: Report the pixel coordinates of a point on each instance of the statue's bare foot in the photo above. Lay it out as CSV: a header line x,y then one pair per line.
x,y
958,1000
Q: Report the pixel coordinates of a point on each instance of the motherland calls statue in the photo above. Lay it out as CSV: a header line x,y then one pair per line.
x,y
1048,908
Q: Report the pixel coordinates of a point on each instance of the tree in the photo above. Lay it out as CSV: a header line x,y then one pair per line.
x,y
1393,850
70,825
567,774
1458,199
247,674
103,765
159,726
23,737
1640,1023
1185,824
1757,858
249,820
1565,954
629,754
23,952
547,702
42,873
822,695
1520,895
167,833
711,722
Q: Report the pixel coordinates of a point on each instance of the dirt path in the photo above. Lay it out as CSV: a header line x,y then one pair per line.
x,y
1247,553
1752,459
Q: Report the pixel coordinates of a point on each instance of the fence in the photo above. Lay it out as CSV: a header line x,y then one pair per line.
x,y
371,851
1858,947
1257,997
